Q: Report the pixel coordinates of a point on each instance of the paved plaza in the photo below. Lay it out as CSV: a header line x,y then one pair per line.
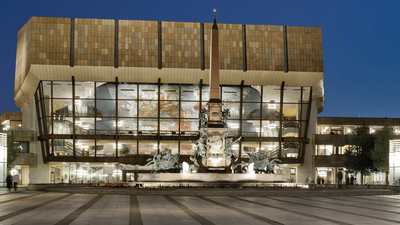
x,y
36,207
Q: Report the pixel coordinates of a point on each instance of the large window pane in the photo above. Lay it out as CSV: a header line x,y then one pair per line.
x,y
172,145
271,94
105,126
190,110
271,111
231,93
48,125
84,107
190,92
63,147
148,147
63,125
84,90
105,148
169,109
205,96
271,147
85,148
47,106
290,149
251,110
169,92
148,109
251,128
127,91
290,111
306,94
292,95
148,91
127,147
84,125
168,126
251,93
234,125
127,126
62,107
147,126
105,90
105,108
127,108
62,89
234,109
290,129
46,89
97,175
249,147
270,128
189,125
187,148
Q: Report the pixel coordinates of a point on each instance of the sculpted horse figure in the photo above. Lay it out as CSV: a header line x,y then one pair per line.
x,y
165,161
262,163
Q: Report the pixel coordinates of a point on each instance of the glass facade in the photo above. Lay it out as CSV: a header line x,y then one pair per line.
x,y
111,119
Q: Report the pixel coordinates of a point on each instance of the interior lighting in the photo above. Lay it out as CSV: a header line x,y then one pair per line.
x,y
5,121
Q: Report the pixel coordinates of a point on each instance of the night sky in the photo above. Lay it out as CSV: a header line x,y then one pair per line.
x,y
360,40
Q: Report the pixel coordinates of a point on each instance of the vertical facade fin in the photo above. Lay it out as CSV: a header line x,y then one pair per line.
x,y
116,44
285,49
202,46
244,48
159,45
72,43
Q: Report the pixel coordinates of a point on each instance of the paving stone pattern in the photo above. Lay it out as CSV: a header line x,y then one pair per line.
x,y
29,207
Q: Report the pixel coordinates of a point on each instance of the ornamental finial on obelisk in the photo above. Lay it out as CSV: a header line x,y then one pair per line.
x,y
214,104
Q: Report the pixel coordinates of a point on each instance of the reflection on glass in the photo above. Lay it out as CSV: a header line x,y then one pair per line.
x,y
105,148
271,147
148,109
105,90
290,149
84,90
105,126
46,89
234,125
270,128
62,107
48,125
62,89
251,110
251,93
84,148
84,107
190,92
169,109
63,125
169,92
84,125
63,147
148,91
96,173
290,129
127,91
105,108
190,110
251,128
127,108
231,93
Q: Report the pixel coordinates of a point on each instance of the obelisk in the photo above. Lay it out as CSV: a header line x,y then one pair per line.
x,y
214,104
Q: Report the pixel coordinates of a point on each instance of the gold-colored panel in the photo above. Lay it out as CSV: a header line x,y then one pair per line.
x,y
137,43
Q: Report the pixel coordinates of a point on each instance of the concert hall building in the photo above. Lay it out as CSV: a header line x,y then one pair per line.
x,y
99,96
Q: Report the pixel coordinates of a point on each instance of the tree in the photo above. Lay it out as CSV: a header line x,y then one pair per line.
x,y
380,154
12,150
124,149
358,158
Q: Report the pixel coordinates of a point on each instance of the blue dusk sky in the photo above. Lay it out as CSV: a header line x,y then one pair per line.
x,y
360,40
